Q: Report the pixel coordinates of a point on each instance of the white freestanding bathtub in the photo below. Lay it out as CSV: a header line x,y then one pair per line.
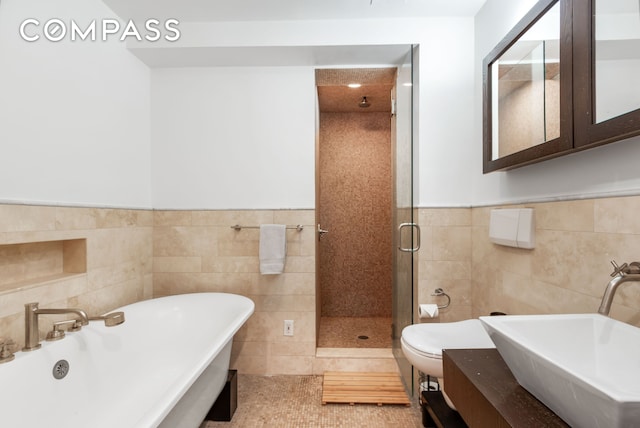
x,y
164,367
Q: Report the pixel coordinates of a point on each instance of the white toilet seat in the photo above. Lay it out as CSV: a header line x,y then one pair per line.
x,y
430,339
429,353
422,344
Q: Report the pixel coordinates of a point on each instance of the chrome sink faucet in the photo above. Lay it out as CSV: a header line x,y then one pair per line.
x,y
31,331
621,274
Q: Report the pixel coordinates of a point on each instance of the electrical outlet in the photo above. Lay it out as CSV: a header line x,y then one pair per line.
x,y
288,327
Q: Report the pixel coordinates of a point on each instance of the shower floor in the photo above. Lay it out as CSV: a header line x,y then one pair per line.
x,y
344,332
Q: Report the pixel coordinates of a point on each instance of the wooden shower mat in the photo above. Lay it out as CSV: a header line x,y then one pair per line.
x,y
363,388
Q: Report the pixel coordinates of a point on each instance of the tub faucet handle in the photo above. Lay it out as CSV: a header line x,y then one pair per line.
x,y
619,270
58,333
6,350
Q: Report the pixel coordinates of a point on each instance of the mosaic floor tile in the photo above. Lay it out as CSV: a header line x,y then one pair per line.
x,y
296,402
348,332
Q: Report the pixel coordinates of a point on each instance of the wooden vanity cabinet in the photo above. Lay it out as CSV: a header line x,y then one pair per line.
x,y
487,395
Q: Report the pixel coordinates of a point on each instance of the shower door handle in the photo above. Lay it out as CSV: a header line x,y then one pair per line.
x,y
415,227
321,232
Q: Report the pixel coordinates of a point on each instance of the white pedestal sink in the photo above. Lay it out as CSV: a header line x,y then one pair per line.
x,y
584,367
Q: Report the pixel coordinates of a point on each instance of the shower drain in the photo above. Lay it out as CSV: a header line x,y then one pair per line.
x,y
60,369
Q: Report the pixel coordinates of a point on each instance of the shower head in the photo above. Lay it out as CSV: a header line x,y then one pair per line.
x,y
364,103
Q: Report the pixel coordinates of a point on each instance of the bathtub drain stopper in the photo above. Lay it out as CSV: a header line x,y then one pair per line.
x,y
60,369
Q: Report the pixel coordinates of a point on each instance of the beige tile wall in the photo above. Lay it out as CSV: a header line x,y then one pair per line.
x,y
118,260
569,268
566,272
198,251
445,261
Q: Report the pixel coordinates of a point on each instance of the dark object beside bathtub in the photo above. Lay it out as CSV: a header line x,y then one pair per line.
x,y
227,402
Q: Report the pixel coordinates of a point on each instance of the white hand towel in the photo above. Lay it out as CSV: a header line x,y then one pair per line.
x,y
273,248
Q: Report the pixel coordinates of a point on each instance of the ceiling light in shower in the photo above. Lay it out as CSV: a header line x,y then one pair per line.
x,y
354,85
364,103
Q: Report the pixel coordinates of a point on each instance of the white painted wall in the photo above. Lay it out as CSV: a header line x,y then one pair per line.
x,y
212,126
446,111
74,116
233,138
75,123
607,170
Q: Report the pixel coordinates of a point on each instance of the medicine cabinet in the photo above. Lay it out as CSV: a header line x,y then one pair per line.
x,y
566,78
606,71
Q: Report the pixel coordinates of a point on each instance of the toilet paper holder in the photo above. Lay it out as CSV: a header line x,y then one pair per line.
x,y
440,292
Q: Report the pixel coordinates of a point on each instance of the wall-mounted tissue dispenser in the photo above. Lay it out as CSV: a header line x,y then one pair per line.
x,y
512,227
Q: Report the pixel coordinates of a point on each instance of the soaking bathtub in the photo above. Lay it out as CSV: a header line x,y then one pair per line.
x,y
164,367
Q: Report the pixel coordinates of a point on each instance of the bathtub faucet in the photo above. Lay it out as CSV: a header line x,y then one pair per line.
x,y
31,331
621,274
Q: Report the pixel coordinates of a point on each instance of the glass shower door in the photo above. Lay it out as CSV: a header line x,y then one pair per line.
x,y
406,231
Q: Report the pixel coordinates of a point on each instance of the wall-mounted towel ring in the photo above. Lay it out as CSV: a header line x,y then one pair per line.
x,y
440,292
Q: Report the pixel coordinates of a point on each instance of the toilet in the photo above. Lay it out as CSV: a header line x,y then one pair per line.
x,y
422,344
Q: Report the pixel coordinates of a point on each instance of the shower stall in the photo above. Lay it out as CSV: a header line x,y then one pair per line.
x,y
355,272
364,192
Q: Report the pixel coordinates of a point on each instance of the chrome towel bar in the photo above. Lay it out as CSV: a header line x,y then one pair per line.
x,y
298,227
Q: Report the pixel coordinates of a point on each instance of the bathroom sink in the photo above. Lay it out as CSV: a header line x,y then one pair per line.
x,y
584,367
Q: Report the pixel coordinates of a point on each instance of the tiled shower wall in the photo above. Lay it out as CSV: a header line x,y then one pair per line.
x,y
355,269
117,260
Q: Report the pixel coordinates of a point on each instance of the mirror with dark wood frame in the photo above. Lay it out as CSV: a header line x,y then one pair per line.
x,y
599,83
527,90
606,71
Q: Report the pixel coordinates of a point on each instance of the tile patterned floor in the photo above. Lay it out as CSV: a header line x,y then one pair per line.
x,y
296,402
343,332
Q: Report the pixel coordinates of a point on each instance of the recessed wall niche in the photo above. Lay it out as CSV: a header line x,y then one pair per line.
x,y
30,264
